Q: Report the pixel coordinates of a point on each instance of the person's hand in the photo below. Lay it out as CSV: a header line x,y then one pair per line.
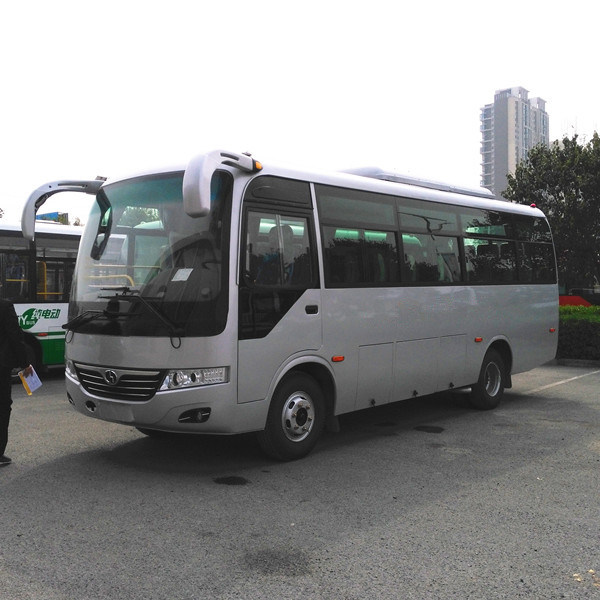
x,y
28,371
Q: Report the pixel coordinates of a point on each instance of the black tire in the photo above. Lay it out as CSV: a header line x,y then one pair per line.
x,y
296,418
489,389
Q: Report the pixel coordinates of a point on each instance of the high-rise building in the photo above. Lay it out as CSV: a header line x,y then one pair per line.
x,y
510,127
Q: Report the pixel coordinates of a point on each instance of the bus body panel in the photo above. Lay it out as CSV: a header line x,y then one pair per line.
x,y
429,339
298,332
151,352
396,341
43,322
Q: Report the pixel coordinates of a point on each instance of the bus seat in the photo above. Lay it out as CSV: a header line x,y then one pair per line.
x,y
487,250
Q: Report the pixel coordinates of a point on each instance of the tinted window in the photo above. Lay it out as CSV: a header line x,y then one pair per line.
x,y
429,259
343,206
359,256
486,222
426,216
277,262
269,188
277,251
536,263
532,229
490,261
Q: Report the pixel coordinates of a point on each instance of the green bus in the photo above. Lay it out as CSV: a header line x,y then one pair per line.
x,y
36,277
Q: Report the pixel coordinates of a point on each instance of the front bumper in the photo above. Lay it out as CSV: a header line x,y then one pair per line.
x,y
164,410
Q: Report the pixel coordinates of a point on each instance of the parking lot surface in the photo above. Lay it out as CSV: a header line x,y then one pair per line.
x,y
420,499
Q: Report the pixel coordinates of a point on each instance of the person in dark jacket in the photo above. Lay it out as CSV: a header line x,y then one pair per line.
x,y
13,353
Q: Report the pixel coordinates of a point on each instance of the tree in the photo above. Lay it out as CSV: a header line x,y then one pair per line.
x,y
563,180
1,213
134,215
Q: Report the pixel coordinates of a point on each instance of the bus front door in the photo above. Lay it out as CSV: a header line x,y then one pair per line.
x,y
279,298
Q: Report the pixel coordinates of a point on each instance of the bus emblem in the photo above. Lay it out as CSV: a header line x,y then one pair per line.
x,y
110,377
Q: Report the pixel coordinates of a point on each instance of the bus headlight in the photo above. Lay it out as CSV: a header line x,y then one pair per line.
x,y
186,378
70,370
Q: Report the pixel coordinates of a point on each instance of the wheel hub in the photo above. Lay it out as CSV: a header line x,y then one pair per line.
x,y
493,379
298,416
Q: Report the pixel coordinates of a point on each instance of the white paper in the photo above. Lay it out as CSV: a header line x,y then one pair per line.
x,y
31,381
182,275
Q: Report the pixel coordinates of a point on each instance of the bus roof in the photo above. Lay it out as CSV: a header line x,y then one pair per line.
x,y
45,228
376,180
409,188
377,173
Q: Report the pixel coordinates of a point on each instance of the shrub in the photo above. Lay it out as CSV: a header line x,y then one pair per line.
x,y
579,332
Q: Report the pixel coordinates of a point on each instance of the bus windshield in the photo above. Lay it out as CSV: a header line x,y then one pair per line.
x,y
146,268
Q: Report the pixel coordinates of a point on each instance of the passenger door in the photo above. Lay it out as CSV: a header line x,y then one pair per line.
x,y
279,296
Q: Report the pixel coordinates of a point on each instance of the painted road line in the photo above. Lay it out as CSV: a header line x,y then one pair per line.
x,y
563,381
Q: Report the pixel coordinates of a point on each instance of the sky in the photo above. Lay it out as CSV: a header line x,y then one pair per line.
x,y
110,87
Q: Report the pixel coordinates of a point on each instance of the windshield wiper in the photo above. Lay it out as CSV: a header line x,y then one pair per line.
x,y
89,315
81,319
176,332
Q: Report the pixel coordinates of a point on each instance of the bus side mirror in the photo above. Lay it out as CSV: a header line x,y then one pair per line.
x,y
196,184
39,196
198,177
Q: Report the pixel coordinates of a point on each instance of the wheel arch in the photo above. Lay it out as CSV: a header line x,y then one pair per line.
x,y
319,371
502,347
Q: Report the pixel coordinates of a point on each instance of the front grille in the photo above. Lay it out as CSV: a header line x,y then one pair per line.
x,y
120,384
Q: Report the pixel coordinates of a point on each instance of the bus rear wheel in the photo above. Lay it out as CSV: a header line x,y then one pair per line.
x,y
296,418
489,389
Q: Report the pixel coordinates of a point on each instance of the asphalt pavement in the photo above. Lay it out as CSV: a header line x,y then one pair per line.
x,y
421,499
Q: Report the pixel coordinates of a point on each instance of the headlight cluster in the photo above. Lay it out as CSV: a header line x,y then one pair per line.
x,y
70,370
186,378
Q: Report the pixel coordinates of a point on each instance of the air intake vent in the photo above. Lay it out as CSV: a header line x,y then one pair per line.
x,y
119,384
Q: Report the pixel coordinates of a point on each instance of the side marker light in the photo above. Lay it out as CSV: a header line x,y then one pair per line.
x,y
337,359
478,340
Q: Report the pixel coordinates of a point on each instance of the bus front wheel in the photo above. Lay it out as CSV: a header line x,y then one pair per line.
x,y
489,389
296,418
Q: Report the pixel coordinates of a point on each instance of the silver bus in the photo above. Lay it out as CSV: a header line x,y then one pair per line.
x,y
230,296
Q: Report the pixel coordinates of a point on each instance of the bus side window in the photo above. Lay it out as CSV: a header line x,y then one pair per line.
x,y
430,259
342,255
15,279
536,263
277,251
